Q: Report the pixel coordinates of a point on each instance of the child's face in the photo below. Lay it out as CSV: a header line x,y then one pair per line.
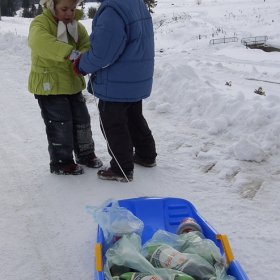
x,y
65,10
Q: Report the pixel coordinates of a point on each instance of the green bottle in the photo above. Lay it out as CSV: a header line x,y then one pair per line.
x,y
118,270
196,243
136,276
183,277
147,276
192,264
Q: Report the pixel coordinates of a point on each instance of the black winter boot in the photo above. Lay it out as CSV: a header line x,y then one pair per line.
x,y
146,163
91,162
69,169
107,173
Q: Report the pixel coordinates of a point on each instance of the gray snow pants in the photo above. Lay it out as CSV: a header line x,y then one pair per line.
x,y
68,128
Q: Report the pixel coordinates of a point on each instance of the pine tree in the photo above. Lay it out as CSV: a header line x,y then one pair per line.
x,y
33,10
25,4
82,5
7,8
39,10
91,12
26,13
150,5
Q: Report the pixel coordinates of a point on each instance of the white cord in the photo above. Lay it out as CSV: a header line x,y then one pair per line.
x,y
104,133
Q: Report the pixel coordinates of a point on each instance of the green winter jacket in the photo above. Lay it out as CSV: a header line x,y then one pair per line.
x,y
51,73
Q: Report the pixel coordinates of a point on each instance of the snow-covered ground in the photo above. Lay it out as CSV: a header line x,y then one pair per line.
x,y
218,145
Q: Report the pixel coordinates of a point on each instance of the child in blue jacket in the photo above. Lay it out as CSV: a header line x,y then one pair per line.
x,y
121,60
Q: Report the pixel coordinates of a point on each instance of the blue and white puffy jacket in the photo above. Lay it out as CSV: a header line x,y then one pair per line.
x,y
121,58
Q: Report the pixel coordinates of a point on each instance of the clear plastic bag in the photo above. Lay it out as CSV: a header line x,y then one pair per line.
x,y
125,254
115,220
196,243
193,242
147,276
169,250
192,264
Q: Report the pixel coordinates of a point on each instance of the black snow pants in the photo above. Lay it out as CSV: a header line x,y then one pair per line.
x,y
126,128
68,128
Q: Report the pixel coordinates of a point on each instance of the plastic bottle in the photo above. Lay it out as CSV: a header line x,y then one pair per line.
x,y
139,276
196,243
188,224
118,270
192,264
147,276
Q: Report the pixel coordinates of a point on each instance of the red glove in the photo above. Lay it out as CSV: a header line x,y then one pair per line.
x,y
76,65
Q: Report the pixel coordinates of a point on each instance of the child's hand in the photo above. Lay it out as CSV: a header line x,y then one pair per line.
x,y
74,55
76,66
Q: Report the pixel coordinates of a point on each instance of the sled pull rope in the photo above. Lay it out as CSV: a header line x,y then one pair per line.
x,y
105,136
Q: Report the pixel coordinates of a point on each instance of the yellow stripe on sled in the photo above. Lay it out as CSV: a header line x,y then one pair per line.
x,y
226,246
98,256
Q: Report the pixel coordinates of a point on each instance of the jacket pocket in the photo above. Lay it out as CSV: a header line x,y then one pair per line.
x,y
43,83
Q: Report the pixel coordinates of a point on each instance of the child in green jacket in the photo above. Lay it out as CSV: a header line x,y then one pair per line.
x,y
56,38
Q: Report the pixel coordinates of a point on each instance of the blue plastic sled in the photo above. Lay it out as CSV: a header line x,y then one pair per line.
x,y
166,214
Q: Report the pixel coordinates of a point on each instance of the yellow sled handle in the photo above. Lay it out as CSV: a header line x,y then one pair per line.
x,y
226,246
98,256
